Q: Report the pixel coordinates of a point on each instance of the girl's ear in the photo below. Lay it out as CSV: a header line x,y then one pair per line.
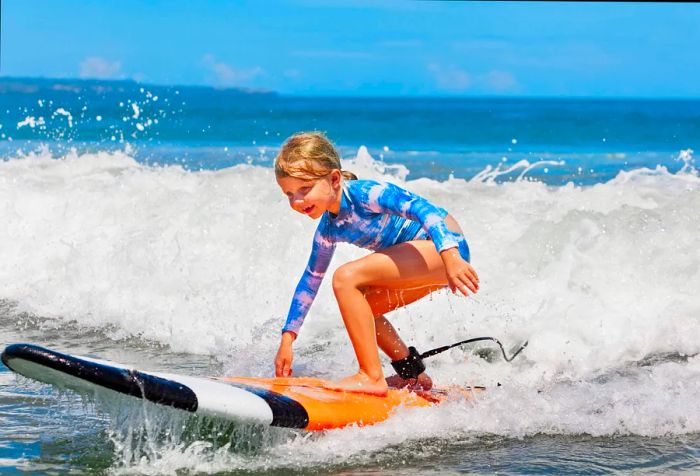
x,y
336,176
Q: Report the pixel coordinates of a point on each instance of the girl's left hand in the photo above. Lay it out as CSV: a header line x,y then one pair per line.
x,y
460,274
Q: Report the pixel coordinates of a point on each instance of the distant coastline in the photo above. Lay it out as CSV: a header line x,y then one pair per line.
x,y
40,85
99,87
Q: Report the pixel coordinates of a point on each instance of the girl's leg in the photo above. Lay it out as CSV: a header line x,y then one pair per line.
x,y
383,300
407,266
391,343
389,340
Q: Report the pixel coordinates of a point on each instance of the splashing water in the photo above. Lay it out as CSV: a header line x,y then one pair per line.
x,y
602,280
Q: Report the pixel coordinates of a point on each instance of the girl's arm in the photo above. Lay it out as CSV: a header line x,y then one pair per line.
x,y
390,198
321,254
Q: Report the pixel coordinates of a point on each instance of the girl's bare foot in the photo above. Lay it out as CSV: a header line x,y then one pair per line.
x,y
360,383
423,382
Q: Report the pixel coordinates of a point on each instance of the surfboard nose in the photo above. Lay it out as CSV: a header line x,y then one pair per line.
x,y
14,350
71,371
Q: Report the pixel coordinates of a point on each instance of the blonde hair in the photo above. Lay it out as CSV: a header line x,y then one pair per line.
x,y
308,156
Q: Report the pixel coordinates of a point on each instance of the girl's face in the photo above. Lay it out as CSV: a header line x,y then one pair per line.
x,y
313,197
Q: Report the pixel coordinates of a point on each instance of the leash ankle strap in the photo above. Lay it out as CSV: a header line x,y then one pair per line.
x,y
411,366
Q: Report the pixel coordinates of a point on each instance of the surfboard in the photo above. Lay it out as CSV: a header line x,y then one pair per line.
x,y
295,402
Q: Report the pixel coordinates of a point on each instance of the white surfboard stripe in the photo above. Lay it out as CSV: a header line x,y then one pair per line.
x,y
214,398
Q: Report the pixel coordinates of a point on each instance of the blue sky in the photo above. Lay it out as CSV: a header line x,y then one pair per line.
x,y
364,47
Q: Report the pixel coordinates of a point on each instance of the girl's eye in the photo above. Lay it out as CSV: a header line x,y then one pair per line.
x,y
305,190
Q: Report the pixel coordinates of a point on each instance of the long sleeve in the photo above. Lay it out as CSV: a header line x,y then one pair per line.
x,y
390,198
321,254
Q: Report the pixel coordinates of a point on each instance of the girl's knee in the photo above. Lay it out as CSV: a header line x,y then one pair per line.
x,y
345,277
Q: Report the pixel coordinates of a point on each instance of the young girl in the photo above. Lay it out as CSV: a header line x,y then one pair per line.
x,y
418,248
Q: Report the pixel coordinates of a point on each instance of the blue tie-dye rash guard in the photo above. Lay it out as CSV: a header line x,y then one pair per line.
x,y
372,215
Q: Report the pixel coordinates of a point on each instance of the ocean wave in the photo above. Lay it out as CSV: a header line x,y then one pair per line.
x,y
597,278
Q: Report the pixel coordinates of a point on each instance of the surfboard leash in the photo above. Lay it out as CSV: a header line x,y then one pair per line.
x,y
412,366
439,350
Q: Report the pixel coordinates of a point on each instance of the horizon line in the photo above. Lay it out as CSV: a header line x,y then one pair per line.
x,y
262,91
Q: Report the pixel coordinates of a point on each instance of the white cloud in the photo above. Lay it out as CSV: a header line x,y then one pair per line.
x,y
100,68
450,78
139,77
225,75
499,81
453,79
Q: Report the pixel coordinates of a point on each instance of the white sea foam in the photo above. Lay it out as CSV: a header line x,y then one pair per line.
x,y
602,281
62,112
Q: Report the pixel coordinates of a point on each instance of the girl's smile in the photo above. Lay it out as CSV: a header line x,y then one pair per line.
x,y
313,197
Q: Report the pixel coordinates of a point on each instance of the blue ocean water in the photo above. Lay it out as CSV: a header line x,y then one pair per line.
x,y
203,128
142,224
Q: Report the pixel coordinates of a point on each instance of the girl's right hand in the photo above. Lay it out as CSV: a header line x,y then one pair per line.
x,y
283,359
460,274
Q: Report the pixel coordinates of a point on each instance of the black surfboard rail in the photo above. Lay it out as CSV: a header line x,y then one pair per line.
x,y
126,381
286,412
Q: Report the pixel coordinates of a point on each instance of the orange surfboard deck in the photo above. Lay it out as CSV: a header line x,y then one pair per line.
x,y
285,402
328,409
